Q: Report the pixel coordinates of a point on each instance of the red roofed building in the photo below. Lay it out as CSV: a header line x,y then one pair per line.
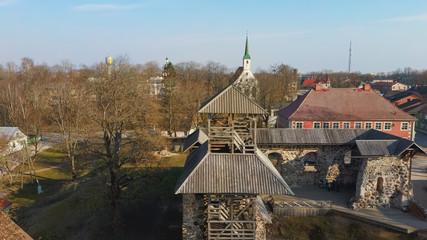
x,y
346,108
309,82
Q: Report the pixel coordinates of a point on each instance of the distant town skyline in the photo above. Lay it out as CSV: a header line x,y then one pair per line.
x,y
308,35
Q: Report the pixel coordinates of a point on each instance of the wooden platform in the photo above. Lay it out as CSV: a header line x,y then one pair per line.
x,y
385,217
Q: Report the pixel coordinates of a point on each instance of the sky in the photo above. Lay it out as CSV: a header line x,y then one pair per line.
x,y
307,35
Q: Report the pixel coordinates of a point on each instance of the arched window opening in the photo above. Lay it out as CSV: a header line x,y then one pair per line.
x,y
380,185
275,158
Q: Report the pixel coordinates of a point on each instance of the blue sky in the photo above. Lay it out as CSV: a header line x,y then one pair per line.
x,y
308,35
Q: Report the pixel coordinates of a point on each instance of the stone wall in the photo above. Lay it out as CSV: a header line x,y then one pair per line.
x,y
328,164
383,181
193,218
260,232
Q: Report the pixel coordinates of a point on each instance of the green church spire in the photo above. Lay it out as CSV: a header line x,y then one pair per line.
x,y
246,49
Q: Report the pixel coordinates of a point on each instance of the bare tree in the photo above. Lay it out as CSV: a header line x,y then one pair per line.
x,y
117,107
66,112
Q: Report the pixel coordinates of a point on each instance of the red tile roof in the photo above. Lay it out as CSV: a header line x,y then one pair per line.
x,y
343,104
309,82
4,204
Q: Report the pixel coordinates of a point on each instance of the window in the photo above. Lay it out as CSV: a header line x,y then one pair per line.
x,y
310,162
346,125
404,126
299,124
387,126
336,125
347,157
368,125
378,126
316,125
358,125
325,125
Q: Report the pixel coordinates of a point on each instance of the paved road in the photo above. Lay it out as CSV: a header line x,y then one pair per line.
x,y
419,170
386,217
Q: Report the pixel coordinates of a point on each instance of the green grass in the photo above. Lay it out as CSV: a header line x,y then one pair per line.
x,y
81,210
177,160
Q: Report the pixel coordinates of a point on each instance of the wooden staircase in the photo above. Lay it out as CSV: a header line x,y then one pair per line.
x,y
230,217
235,137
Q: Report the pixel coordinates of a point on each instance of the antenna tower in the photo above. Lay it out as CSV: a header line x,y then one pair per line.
x,y
349,60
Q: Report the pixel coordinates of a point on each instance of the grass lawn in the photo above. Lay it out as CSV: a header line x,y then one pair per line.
x,y
67,210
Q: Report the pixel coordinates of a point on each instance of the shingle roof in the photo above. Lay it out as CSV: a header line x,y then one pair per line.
x,y
289,136
231,100
377,147
369,141
402,95
385,147
206,172
410,103
416,109
9,230
197,137
342,104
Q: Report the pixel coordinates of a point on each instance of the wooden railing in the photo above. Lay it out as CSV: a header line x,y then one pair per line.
x,y
232,137
241,145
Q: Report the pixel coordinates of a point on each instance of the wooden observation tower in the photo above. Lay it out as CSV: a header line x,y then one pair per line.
x,y
226,172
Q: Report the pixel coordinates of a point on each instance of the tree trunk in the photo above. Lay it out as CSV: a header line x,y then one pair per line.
x,y
115,198
73,169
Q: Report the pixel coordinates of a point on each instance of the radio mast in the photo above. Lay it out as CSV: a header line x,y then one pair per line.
x,y
349,60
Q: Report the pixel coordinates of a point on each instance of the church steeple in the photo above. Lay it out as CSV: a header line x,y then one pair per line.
x,y
246,57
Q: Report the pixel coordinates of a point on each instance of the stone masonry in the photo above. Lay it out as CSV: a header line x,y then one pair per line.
x,y
193,217
383,181
302,165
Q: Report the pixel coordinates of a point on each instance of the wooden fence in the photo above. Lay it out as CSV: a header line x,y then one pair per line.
x,y
301,209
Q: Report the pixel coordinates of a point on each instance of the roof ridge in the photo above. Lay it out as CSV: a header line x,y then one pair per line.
x,y
305,98
275,172
214,96
194,169
252,101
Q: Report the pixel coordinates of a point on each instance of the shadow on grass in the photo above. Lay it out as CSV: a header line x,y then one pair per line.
x,y
81,210
153,210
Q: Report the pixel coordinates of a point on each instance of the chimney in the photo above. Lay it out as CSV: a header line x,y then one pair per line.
x,y
366,87
317,87
295,74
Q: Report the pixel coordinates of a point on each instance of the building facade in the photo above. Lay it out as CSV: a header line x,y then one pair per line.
x,y
346,108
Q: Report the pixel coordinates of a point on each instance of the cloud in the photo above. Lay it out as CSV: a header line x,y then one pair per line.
x,y
415,18
4,3
100,7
